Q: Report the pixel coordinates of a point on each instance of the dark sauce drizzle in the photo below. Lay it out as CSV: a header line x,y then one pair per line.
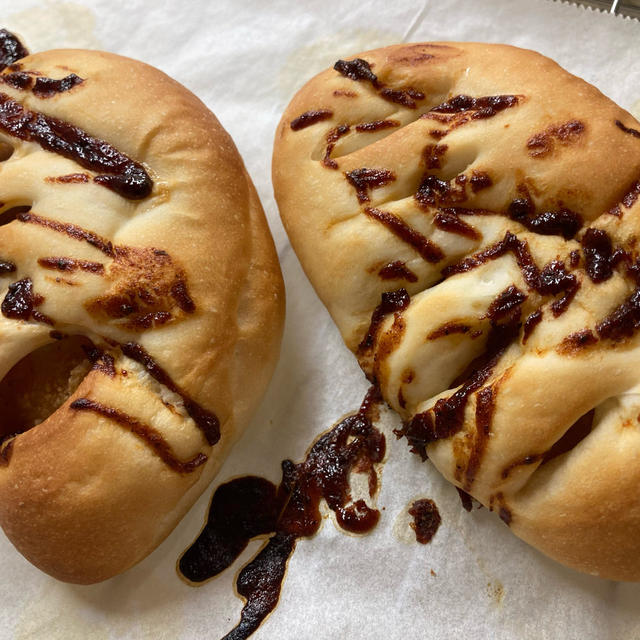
x,y
563,222
446,418
447,329
363,180
553,279
71,230
39,85
204,419
448,220
397,270
71,265
598,251
427,249
360,70
21,301
250,506
532,321
48,87
634,132
310,117
426,519
332,137
481,108
103,362
118,172
628,200
391,302
376,125
465,499
70,178
11,49
7,267
148,434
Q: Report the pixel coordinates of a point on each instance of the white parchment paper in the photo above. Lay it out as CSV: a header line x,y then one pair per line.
x,y
475,580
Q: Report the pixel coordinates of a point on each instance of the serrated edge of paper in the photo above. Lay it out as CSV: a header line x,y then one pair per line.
x,y
591,9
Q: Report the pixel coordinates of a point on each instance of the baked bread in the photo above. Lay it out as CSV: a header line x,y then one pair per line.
x,y
140,291
469,215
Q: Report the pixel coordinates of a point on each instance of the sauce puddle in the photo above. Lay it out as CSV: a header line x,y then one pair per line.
x,y
250,506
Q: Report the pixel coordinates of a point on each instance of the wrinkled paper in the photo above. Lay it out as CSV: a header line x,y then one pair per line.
x,y
475,579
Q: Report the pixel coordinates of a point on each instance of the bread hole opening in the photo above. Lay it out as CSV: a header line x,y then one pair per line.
x,y
12,212
576,433
6,151
41,383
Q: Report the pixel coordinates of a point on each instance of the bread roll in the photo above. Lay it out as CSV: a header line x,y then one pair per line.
x,y
469,215
142,307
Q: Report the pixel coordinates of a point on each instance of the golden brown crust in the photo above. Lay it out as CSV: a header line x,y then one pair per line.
x,y
408,173
192,278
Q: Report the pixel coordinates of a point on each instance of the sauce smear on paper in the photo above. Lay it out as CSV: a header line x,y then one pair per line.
x,y
251,506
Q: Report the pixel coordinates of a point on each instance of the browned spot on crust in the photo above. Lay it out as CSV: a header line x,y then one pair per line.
x,y
416,59
308,118
576,342
147,289
342,93
543,144
146,284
